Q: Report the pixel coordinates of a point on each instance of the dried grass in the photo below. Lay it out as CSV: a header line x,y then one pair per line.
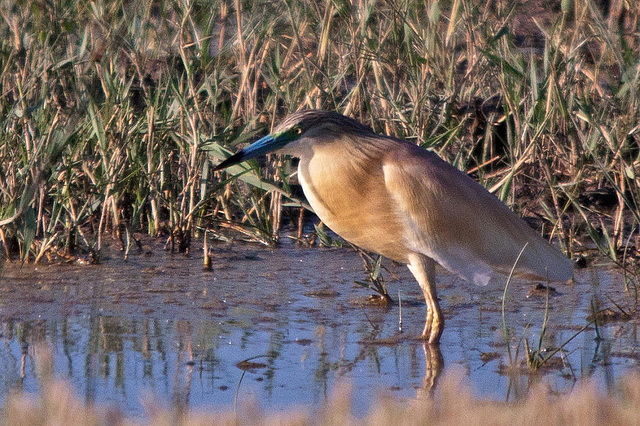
x,y
451,403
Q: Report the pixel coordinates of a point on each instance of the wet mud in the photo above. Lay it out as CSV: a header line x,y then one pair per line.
x,y
282,327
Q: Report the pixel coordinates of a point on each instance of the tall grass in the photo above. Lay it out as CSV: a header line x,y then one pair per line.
x,y
113,110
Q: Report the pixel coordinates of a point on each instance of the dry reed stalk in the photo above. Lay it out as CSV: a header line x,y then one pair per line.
x,y
452,403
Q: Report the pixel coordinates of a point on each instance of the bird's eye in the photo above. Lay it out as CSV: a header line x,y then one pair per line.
x,y
297,130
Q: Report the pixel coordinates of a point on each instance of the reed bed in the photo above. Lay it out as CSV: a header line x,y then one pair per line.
x,y
453,403
113,111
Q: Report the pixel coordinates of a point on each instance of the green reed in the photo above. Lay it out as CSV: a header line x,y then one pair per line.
x,y
112,111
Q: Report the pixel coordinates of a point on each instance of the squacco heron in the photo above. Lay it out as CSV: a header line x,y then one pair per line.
x,y
394,198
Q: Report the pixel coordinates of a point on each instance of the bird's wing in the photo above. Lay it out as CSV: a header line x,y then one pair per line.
x,y
454,220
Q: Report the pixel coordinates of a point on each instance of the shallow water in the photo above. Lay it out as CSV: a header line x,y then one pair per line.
x,y
283,326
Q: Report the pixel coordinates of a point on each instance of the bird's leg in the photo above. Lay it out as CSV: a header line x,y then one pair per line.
x,y
424,269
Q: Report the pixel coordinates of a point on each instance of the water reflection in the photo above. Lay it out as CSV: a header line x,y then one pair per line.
x,y
282,327
187,363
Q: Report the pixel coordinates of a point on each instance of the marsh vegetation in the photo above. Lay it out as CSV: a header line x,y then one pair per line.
x,y
112,111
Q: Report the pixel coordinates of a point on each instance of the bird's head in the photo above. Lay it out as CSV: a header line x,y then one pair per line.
x,y
301,125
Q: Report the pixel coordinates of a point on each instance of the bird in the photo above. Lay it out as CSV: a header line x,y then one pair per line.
x,y
395,198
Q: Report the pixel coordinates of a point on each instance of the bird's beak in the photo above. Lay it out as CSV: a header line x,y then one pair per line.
x,y
260,147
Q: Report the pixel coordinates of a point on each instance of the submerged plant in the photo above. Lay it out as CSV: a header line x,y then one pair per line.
x,y
374,278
